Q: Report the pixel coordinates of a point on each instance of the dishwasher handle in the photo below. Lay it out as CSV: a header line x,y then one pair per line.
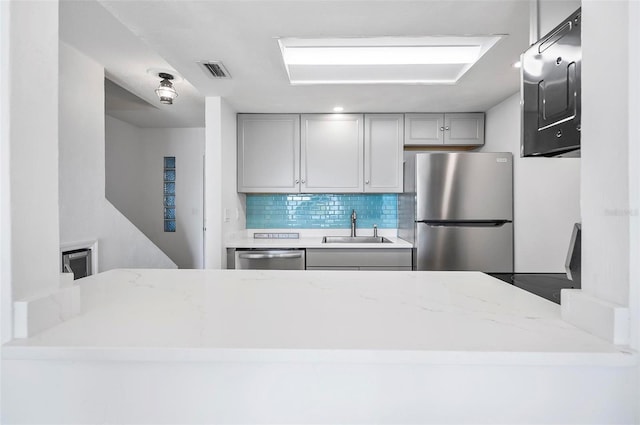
x,y
264,255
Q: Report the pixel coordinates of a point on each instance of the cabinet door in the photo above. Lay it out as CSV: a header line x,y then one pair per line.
x,y
383,152
464,129
332,268
332,153
423,129
268,153
380,269
358,258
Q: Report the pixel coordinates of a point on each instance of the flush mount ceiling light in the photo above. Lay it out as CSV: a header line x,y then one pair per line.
x,y
165,91
382,60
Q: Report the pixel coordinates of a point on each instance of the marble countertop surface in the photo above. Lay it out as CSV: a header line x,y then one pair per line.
x,y
345,316
311,238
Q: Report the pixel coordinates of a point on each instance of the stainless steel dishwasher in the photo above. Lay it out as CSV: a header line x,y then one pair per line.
x,y
270,259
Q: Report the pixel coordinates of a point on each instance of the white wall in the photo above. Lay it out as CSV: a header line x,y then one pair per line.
x,y
134,184
33,138
5,176
213,183
233,203
185,246
608,304
605,151
241,391
123,152
220,181
546,194
552,12
85,213
634,172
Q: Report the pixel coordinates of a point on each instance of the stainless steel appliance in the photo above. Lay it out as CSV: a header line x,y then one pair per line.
x,y
551,93
270,259
457,210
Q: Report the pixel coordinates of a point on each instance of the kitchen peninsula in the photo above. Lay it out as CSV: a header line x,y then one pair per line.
x,y
229,346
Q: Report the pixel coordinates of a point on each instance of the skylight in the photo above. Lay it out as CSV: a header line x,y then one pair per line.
x,y
382,60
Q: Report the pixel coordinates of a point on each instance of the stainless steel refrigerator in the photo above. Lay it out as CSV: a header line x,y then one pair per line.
x,y
457,210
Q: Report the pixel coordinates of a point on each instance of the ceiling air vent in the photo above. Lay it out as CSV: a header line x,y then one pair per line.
x,y
215,69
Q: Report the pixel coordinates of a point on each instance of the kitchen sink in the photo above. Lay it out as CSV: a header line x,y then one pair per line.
x,y
355,239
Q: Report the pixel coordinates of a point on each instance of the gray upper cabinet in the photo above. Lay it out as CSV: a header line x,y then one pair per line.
x,y
464,129
332,148
340,153
423,129
383,152
452,129
268,153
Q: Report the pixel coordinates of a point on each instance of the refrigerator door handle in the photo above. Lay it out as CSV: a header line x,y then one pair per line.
x,y
453,223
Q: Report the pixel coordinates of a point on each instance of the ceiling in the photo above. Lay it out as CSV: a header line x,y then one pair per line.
x,y
130,37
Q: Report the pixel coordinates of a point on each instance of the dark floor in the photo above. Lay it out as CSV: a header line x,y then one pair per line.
x,y
545,285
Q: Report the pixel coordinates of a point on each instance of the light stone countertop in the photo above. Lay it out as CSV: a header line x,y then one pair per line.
x,y
320,316
312,238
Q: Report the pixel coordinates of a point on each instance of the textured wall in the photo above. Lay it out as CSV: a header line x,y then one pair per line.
x,y
33,136
134,184
606,211
321,211
85,213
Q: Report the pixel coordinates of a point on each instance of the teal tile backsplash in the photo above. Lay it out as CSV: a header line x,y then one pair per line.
x,y
321,211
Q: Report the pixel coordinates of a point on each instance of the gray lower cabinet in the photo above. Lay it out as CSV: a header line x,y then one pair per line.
x,y
451,129
359,259
268,153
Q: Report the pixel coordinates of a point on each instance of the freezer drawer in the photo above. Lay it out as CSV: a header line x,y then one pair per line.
x,y
481,247
464,186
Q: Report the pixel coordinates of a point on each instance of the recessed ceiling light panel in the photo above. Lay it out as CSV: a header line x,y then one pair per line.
x,y
377,55
382,60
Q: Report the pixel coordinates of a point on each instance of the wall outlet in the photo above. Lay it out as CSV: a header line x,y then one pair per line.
x,y
227,217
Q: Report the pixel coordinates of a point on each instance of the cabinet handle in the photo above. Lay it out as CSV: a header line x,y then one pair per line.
x,y
446,128
303,180
441,128
297,181
366,182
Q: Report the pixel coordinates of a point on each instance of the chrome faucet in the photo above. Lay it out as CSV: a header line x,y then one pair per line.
x,y
354,217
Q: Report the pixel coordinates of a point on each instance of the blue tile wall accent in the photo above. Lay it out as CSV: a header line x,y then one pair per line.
x,y
169,213
169,162
169,225
321,211
169,189
170,175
